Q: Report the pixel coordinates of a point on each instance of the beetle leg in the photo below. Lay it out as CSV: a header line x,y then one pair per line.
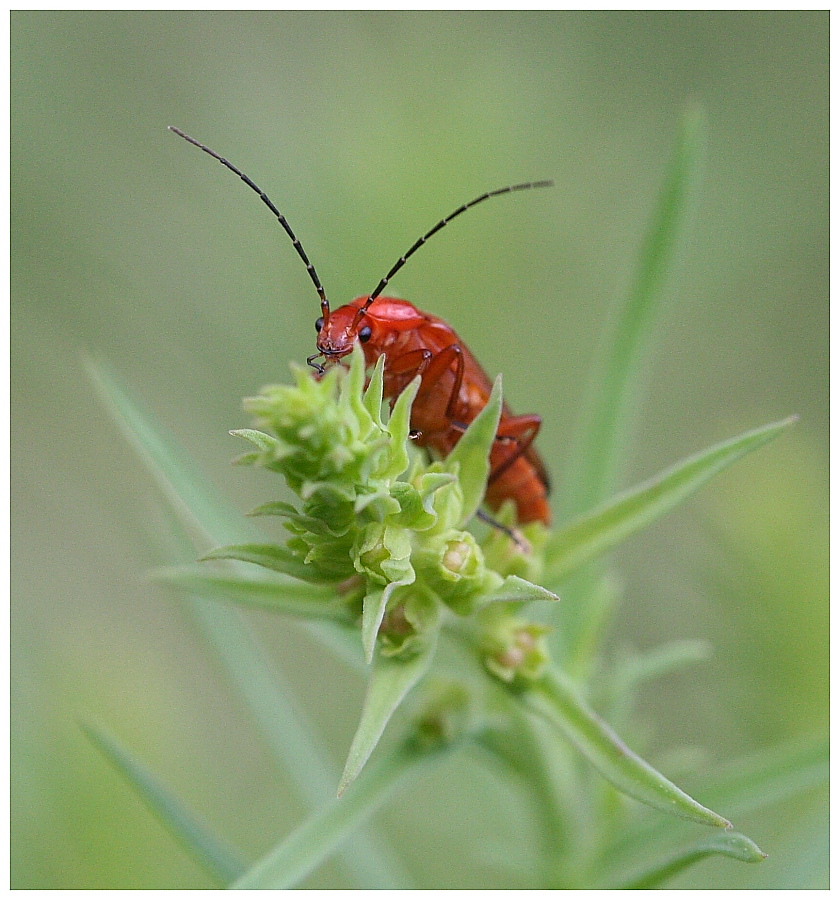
x,y
435,370
520,430
431,367
410,364
513,533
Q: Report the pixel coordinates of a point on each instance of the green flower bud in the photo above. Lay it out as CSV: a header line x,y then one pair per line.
x,y
384,553
514,650
453,566
407,624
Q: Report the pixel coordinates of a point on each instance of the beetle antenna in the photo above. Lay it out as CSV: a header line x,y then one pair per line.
x,y
325,306
420,241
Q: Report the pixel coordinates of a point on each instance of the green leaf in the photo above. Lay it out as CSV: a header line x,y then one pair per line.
x,y
373,392
399,426
313,842
260,439
270,556
391,678
412,510
213,854
291,598
195,499
731,844
586,538
274,508
756,783
352,392
596,455
559,703
472,452
517,590
373,611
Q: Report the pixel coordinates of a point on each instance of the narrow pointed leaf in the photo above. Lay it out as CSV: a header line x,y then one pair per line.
x,y
472,452
274,508
559,703
195,499
430,484
373,611
314,841
517,590
213,854
589,536
755,783
731,844
291,598
352,391
597,454
270,556
373,392
391,678
399,426
413,513
260,439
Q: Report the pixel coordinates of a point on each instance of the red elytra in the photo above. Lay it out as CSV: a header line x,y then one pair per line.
x,y
454,387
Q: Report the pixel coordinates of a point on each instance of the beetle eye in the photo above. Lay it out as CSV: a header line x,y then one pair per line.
x,y
319,323
365,333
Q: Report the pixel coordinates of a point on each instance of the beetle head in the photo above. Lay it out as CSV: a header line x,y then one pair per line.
x,y
339,331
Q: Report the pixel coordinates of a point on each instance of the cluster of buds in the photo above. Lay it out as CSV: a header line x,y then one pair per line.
x,y
375,515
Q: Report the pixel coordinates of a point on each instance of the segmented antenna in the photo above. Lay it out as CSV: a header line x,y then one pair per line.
x,y
420,241
325,306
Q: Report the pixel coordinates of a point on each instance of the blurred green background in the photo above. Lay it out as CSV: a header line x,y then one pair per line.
x,y
365,128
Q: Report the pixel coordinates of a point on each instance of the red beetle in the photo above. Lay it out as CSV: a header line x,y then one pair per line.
x,y
454,387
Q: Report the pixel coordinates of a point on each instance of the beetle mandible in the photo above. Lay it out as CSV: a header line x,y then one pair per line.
x,y
454,387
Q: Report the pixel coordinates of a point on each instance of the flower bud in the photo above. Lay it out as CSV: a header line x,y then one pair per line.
x,y
515,650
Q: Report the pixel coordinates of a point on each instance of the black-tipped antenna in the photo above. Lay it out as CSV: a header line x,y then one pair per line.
x,y
325,306
420,241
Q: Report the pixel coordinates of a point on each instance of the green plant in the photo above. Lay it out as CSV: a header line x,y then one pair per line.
x,y
387,565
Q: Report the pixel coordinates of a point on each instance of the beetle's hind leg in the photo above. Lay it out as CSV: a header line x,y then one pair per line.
x,y
518,430
513,533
